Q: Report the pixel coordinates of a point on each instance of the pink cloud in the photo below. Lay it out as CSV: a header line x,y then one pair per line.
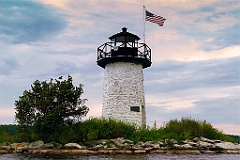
x,y
228,128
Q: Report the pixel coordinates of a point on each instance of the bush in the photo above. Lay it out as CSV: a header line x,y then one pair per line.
x,y
94,129
188,128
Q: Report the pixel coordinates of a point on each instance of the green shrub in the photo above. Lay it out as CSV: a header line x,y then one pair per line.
x,y
188,128
95,128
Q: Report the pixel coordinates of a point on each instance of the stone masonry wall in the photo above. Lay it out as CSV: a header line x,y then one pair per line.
x,y
123,88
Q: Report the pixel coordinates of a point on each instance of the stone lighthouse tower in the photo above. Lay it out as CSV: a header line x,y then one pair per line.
x,y
123,59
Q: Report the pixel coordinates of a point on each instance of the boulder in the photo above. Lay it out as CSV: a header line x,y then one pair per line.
x,y
156,146
97,147
73,145
5,147
203,144
192,144
52,145
36,145
186,146
176,146
207,140
196,139
228,145
19,146
128,141
120,142
171,141
105,151
218,141
139,151
4,151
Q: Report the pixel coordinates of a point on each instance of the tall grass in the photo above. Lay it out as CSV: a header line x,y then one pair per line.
x,y
188,128
95,128
100,128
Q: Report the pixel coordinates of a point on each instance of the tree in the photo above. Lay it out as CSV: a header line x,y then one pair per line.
x,y
59,100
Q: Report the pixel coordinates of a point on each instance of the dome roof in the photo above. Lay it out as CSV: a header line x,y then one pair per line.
x,y
125,34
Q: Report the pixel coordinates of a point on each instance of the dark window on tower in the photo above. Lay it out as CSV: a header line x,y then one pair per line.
x,y
135,108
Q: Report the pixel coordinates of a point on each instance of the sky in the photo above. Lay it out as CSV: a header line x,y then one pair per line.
x,y
195,68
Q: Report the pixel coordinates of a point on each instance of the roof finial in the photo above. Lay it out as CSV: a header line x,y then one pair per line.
x,y
124,29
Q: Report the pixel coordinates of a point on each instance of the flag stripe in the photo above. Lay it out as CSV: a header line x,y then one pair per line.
x,y
154,18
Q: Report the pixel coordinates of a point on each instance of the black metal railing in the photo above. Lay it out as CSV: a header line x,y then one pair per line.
x,y
106,50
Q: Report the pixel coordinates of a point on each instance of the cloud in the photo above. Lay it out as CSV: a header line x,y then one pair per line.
x,y
191,24
6,115
213,109
172,76
8,66
204,90
228,128
27,21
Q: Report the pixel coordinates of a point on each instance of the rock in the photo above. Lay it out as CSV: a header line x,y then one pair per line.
x,y
156,146
186,141
146,144
99,146
176,146
4,151
13,146
51,145
192,144
208,152
36,145
123,151
101,141
203,144
128,141
196,139
148,149
170,141
218,141
228,146
5,147
111,146
19,146
207,140
186,146
232,152
73,145
105,151
122,143
139,151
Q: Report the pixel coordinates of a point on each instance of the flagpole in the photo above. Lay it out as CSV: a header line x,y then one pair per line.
x,y
144,22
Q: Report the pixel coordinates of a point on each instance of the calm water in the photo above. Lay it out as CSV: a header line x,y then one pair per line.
x,y
123,157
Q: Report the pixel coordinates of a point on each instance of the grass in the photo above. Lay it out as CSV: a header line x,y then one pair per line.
x,y
100,128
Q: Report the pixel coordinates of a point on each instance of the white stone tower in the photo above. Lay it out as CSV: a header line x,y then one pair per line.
x,y
124,58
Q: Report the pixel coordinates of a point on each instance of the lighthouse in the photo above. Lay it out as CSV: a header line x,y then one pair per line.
x,y
123,60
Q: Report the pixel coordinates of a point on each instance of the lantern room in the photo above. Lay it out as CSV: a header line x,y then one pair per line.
x,y
124,47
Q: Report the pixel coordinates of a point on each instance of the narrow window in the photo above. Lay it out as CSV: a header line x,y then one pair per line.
x,y
135,108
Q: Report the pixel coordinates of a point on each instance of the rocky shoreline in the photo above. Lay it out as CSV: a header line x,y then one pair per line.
x,y
124,146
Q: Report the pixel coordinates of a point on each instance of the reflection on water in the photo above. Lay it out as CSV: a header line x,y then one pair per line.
x,y
122,157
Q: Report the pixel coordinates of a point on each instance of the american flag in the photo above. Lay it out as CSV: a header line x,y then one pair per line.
x,y
154,18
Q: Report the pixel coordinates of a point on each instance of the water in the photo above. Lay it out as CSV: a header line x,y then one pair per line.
x,y
122,157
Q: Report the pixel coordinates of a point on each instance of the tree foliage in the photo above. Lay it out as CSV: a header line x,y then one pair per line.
x,y
47,101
